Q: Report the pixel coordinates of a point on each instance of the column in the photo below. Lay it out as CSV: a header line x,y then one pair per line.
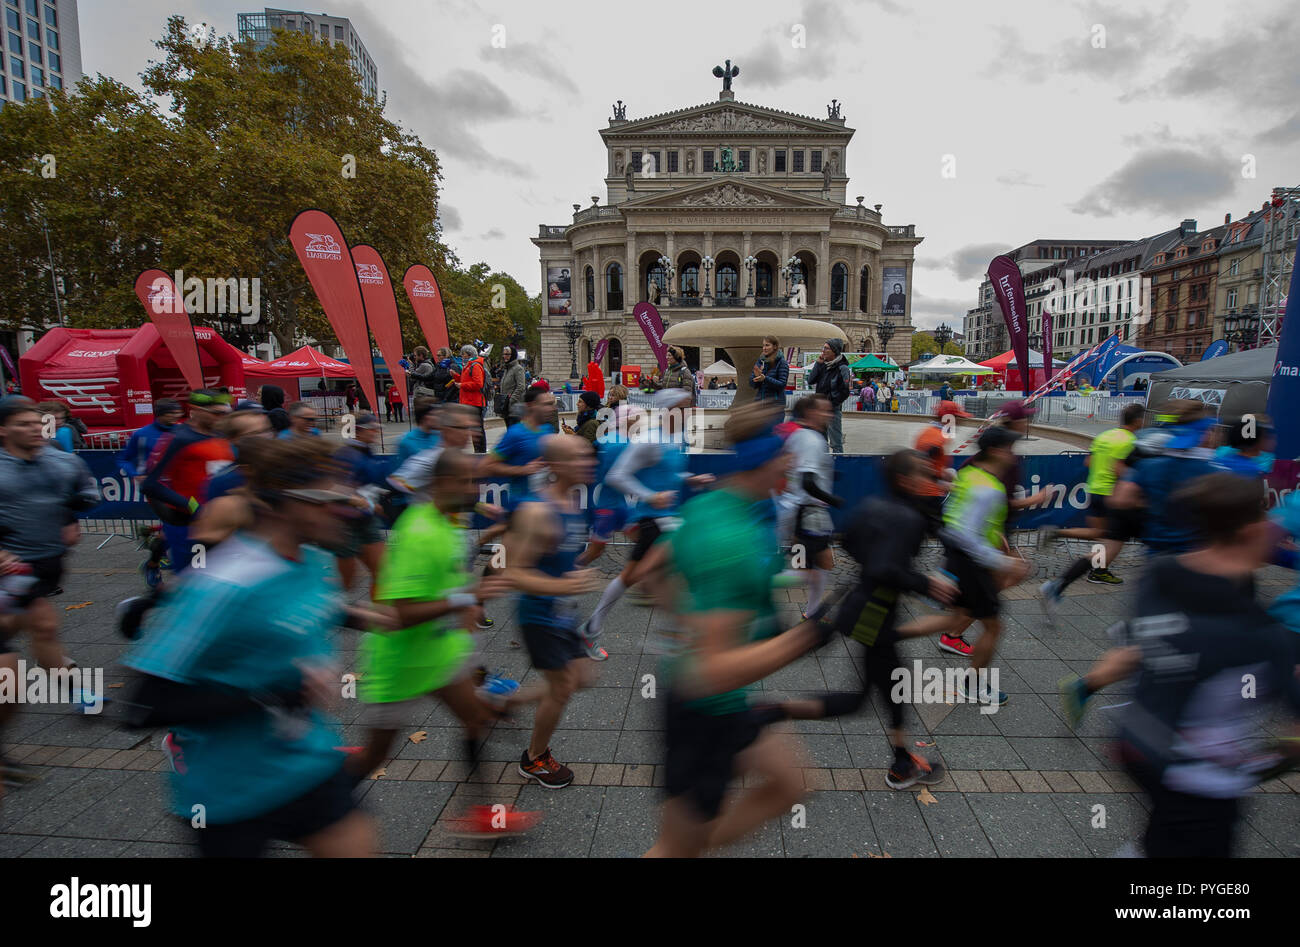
x,y
630,278
855,286
824,273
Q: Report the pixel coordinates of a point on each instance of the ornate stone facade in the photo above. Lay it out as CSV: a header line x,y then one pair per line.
x,y
737,243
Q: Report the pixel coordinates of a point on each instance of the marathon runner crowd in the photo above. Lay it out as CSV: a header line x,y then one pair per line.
x,y
266,527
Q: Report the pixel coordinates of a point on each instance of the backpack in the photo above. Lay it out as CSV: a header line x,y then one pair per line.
x,y
440,381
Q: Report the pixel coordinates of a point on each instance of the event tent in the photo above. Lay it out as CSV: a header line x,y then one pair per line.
x,y
110,378
950,365
721,369
1006,366
1231,385
872,363
308,362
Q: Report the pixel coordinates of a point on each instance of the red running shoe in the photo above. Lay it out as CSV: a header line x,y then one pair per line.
x,y
496,821
955,645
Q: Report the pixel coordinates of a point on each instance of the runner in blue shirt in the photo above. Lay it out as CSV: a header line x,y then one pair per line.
x,y
518,455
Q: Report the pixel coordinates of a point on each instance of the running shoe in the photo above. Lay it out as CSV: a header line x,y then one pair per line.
x,y
593,649
1051,600
499,821
130,614
983,697
957,645
1074,698
915,769
152,573
495,689
1048,536
485,623
175,755
548,772
1104,577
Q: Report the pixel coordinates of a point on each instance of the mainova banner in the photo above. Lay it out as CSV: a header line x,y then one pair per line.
x,y
1009,289
161,300
324,255
426,299
381,308
1284,392
652,324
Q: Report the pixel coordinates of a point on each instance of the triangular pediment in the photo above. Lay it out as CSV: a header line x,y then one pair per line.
x,y
725,118
727,191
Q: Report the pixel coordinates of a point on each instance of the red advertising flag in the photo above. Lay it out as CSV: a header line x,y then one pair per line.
x,y
158,294
381,307
652,324
426,300
1009,289
324,255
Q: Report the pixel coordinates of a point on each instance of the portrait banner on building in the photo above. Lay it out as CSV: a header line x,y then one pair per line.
x,y
1009,289
893,291
161,299
381,308
324,255
648,318
426,300
1284,392
559,285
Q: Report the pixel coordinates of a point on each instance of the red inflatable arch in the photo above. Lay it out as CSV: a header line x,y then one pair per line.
x,y
111,377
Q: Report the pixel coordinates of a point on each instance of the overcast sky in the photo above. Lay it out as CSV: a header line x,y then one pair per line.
x,y
1063,120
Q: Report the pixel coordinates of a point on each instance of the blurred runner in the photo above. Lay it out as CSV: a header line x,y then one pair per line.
x,y
808,495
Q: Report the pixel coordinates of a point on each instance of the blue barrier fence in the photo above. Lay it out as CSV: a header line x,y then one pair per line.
x,y
856,477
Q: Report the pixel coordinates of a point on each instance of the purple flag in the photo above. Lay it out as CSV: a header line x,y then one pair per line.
x,y
1004,274
601,347
1047,346
647,316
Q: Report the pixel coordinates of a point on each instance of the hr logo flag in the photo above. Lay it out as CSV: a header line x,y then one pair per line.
x,y
162,301
648,318
1047,346
1004,274
381,307
426,300
324,255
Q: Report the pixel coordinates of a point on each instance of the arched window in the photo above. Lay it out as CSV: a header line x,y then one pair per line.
x,y
763,280
589,279
839,287
691,280
614,287
655,276
728,281
864,289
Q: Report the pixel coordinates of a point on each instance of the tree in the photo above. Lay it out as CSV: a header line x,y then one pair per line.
x,y
923,342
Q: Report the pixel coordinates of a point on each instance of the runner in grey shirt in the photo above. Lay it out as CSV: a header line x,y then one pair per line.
x,y
805,504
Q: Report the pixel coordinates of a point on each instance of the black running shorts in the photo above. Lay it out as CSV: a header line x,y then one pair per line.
x,y
701,754
977,588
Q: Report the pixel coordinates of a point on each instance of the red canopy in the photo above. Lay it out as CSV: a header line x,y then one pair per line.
x,y
307,362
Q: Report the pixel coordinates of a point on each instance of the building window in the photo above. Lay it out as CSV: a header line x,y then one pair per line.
x,y
589,279
38,77
706,161
798,161
690,280
839,287
636,161
744,159
763,280
816,160
864,289
338,32
655,166
12,19
31,7
1232,299
614,287
51,39
728,281
16,68
778,160
20,92
1234,268
34,52
56,82
672,161
15,44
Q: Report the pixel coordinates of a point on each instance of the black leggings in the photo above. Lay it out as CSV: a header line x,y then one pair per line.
x,y
871,623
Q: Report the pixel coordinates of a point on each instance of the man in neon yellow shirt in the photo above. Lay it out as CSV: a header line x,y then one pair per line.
x,y
1107,462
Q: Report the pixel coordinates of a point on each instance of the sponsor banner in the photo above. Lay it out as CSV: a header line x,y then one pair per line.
x,y
162,301
601,348
1215,349
893,291
1009,289
1047,347
381,308
324,255
1284,393
648,318
558,290
1076,365
426,299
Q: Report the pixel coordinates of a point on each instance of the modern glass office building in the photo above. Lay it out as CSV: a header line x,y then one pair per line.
x,y
42,48
328,29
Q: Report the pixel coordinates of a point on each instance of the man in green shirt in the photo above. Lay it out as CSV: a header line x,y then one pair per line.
x,y
726,557
1107,462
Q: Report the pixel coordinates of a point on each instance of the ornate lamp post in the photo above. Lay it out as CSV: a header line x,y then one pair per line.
x,y
751,261
1241,330
517,337
707,263
1035,340
786,275
942,336
670,273
885,331
573,329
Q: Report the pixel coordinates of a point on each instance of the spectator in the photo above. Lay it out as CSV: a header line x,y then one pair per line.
x,y
678,375
617,395
272,399
419,380
587,424
945,391
66,436
829,377
510,393
470,383
302,421
394,399
867,398
885,397
770,373
713,384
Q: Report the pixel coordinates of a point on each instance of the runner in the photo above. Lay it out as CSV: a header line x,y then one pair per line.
x,y
1190,737
518,454
811,478
240,662
726,559
653,470
424,578
422,437
414,475
934,442
1107,462
974,540
133,461
547,533
182,463
366,475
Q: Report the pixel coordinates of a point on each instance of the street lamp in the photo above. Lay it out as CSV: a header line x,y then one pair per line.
x,y
885,330
1035,340
670,272
707,263
751,261
942,336
517,337
1241,329
573,329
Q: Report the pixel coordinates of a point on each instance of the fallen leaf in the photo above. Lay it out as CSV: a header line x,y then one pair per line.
x,y
923,743
379,773
926,797
68,608
114,685
881,855
419,736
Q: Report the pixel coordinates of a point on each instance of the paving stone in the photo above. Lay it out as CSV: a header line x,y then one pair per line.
x,y
628,823
1060,782
999,781
1025,825
900,828
1030,781
1091,782
955,831
608,774
568,826
638,775
126,813
405,811
847,779
1055,753
834,825
450,853
427,769
873,778
77,848
1120,782
814,778
962,752
583,773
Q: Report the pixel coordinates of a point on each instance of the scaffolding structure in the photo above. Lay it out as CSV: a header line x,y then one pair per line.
x,y
1278,252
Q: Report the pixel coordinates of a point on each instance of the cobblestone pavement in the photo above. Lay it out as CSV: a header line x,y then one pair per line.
x,y
1020,782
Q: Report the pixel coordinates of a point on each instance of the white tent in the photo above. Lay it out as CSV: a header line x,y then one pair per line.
x,y
950,365
720,370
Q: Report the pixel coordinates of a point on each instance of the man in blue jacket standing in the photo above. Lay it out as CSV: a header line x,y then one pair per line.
x,y
770,373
